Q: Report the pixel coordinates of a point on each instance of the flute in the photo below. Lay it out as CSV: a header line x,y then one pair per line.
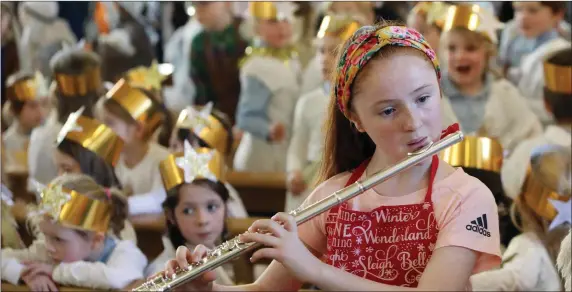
x,y
234,247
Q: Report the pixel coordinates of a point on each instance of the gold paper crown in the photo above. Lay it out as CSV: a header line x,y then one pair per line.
x,y
28,89
150,78
475,152
270,10
558,78
190,165
205,126
548,178
473,18
75,210
93,136
437,13
137,104
78,84
342,26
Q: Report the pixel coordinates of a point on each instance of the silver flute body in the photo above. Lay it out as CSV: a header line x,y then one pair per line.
x,y
233,248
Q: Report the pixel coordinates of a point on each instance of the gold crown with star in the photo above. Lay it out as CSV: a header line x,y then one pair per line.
x,y
74,209
26,89
557,78
204,125
151,78
93,136
342,26
473,18
271,10
190,165
137,104
548,179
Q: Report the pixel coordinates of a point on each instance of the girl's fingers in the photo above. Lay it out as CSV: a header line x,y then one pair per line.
x,y
170,267
183,257
264,239
267,225
199,253
288,221
161,273
265,253
52,286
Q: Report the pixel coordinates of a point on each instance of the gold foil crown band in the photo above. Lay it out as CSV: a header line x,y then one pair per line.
x,y
93,136
190,165
75,210
205,126
139,106
473,18
78,84
548,180
28,89
341,26
558,78
272,10
475,152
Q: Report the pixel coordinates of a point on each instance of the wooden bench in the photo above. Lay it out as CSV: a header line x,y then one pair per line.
x,y
10,287
263,194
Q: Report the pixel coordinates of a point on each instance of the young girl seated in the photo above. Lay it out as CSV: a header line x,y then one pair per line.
x,y
135,115
543,208
484,105
78,83
209,128
387,104
28,97
87,146
195,204
79,221
307,140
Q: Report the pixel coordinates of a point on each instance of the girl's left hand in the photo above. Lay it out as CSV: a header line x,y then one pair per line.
x,y
282,244
35,268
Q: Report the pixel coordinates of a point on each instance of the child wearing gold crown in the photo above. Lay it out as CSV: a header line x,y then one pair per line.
x,y
79,221
307,140
542,210
76,75
269,90
134,115
28,102
484,105
428,18
195,204
209,128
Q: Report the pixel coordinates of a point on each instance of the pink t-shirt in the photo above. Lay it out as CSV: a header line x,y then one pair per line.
x,y
460,202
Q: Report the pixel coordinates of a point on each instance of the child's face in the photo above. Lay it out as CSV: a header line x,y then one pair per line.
x,y
534,19
66,163
200,215
430,32
401,111
276,34
328,54
128,132
209,14
34,113
65,244
467,60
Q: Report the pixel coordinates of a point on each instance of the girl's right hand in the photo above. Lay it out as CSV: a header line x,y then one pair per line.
x,y
183,257
39,282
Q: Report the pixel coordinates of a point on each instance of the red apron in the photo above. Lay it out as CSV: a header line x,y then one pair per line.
x,y
390,244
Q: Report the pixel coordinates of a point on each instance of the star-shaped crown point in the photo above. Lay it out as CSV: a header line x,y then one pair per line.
x,y
53,199
194,164
198,120
71,125
146,77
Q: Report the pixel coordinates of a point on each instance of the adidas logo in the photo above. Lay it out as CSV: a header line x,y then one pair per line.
x,y
479,226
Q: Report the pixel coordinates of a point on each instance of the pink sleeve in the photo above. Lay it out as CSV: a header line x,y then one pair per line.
x,y
470,220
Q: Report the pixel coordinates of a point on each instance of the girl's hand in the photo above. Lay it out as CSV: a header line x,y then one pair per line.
x,y
36,268
39,282
282,244
183,257
295,182
277,132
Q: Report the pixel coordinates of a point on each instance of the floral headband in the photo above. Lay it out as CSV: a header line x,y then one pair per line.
x,y
362,47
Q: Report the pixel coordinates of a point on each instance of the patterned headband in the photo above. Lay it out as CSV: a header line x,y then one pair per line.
x,y
362,47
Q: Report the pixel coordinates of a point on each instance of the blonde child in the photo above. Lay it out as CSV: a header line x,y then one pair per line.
x,y
484,105
77,83
79,221
28,97
306,144
269,90
206,127
543,208
195,204
134,115
387,104
532,38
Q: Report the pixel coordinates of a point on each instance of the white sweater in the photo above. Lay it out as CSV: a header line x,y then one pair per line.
x,y
124,265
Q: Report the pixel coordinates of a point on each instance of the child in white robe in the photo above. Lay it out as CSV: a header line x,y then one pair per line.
x,y
79,221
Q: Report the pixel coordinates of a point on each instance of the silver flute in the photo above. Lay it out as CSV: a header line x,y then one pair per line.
x,y
233,248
